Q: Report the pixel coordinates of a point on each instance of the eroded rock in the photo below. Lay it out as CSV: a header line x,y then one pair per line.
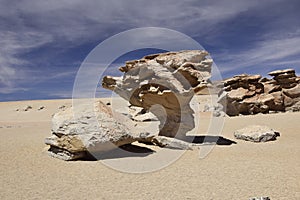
x,y
251,94
256,133
169,80
76,131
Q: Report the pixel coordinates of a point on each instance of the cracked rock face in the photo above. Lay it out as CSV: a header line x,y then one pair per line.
x,y
251,94
74,133
164,84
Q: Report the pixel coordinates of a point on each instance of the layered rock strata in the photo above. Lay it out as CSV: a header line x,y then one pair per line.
x,y
164,84
252,94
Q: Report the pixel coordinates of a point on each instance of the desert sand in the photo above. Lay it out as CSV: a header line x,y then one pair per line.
x,y
237,171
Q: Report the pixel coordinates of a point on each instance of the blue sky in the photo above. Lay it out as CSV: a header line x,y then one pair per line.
x,y
43,43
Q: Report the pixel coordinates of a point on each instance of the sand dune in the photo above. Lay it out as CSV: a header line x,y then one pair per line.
x,y
237,171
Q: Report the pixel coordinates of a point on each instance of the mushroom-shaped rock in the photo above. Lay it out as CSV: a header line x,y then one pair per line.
x,y
164,84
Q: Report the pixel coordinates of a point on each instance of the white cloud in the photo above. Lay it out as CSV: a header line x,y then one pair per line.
x,y
12,45
32,24
264,54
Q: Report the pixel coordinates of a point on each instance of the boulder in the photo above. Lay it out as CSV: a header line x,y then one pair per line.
x,y
256,133
83,131
76,131
168,79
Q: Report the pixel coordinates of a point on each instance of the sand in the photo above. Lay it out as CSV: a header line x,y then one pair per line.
x,y
237,171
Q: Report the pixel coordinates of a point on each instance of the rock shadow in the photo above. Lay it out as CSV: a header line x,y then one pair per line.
x,y
127,150
203,139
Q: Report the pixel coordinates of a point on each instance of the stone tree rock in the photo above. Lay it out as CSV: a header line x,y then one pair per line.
x,y
256,133
164,84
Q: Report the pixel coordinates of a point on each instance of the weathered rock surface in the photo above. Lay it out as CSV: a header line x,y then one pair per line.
x,y
141,115
256,133
77,132
169,80
252,94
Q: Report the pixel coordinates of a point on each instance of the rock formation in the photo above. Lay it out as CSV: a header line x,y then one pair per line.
x,y
80,133
251,94
164,84
256,133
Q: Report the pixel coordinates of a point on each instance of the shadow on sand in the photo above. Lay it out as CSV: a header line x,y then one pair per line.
x,y
132,150
207,139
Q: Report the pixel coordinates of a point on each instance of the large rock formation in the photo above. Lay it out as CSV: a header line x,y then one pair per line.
x,y
81,132
251,94
164,84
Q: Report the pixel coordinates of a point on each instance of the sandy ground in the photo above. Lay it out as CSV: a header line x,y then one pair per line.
x,y
237,171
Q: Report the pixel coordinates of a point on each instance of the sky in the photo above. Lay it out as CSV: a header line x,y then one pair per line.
x,y
43,43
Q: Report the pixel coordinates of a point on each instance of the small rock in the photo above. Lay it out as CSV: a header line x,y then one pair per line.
x,y
27,108
145,117
256,133
260,198
41,108
62,107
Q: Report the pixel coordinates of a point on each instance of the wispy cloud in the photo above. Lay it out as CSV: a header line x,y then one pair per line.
x,y
12,45
264,53
29,25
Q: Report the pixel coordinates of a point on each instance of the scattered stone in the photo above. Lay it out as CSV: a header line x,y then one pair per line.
x,y
41,107
260,198
172,143
168,79
256,133
62,107
27,108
